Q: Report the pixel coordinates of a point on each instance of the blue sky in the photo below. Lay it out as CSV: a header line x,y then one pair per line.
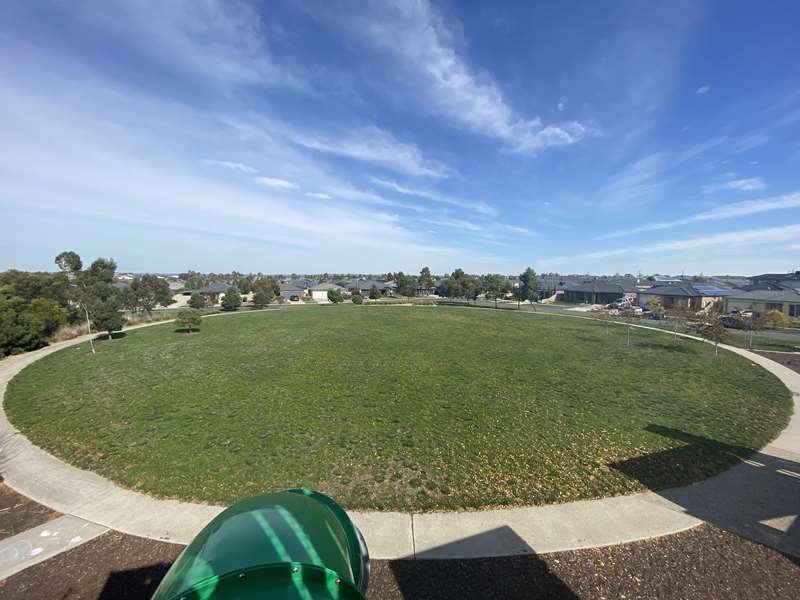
x,y
375,136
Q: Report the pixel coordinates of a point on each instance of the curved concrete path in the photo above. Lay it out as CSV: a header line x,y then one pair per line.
x,y
759,498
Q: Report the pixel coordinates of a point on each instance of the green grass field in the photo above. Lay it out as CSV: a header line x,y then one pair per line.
x,y
398,407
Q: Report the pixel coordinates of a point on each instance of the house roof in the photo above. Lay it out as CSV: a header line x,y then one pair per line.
x,y
713,290
322,287
215,287
684,291
291,287
600,287
776,276
768,296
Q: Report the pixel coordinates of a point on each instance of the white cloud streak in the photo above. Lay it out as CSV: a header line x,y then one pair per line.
x,y
425,61
234,166
703,89
480,207
274,182
727,211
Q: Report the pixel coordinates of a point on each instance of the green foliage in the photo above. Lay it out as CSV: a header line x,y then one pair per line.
x,y
69,262
357,299
335,296
107,315
48,315
232,299
197,300
263,297
188,319
461,285
712,329
19,332
425,279
406,284
529,286
773,319
36,285
375,293
496,286
151,291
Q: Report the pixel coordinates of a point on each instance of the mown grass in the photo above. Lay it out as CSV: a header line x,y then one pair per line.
x,y
396,408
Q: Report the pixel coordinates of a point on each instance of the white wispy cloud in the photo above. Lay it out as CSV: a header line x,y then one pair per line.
x,y
274,182
562,103
703,89
428,65
374,145
749,184
727,211
234,166
318,195
728,240
480,207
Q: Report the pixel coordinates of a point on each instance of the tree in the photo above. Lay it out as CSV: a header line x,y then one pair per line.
x,y
263,297
425,279
374,293
47,314
107,315
188,319
655,307
197,300
357,299
232,299
150,291
335,296
529,286
18,331
712,329
69,262
406,284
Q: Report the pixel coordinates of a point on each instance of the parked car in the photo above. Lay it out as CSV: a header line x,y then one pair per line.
x,y
735,321
620,303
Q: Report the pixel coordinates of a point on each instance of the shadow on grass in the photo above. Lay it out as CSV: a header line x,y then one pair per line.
x,y
187,330
432,576
758,498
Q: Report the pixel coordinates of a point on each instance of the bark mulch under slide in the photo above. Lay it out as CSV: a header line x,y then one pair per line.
x,y
704,562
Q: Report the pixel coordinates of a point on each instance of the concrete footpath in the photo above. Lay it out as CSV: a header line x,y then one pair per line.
x,y
759,499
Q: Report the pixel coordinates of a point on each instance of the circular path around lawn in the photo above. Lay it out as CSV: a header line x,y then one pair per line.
x,y
575,523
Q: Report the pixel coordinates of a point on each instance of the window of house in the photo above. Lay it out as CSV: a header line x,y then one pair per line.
x,y
794,310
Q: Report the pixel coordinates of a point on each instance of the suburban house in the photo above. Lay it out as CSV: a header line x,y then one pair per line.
x,y
598,292
760,301
363,286
682,296
320,291
293,291
775,282
213,291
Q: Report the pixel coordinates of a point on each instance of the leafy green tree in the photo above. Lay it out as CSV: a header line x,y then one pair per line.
x,y
107,315
406,284
188,319
47,314
374,293
69,262
232,299
149,291
712,329
37,285
263,297
357,299
425,279
335,296
18,330
197,300
529,286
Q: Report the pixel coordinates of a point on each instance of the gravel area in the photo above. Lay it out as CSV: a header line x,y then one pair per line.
x,y
704,562
18,513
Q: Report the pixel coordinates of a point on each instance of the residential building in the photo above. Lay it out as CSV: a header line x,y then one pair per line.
x,y
682,296
598,292
320,291
213,291
760,301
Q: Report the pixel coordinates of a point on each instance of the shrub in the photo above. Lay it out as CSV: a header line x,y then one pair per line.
x,y
108,317
772,319
232,300
374,293
357,299
261,298
197,300
335,296
48,315
188,319
18,330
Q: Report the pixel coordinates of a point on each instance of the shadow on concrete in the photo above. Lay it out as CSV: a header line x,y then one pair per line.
x,y
512,577
759,498
134,584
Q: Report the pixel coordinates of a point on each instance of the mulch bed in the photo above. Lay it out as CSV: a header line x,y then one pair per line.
x,y
704,562
18,513
786,359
